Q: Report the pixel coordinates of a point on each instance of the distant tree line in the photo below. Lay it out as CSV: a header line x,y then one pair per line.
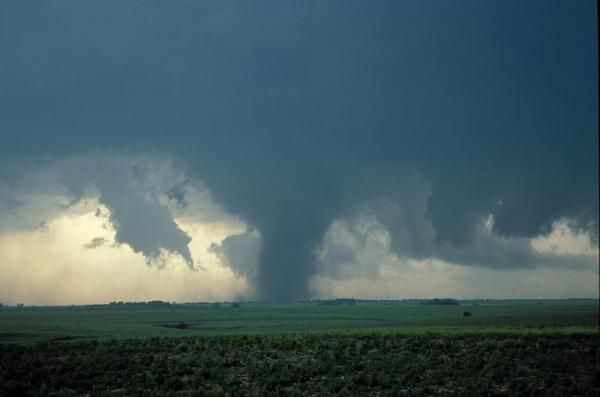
x,y
441,302
155,303
338,301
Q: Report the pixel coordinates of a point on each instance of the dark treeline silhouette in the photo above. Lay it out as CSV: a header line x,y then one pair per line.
x,y
155,303
441,302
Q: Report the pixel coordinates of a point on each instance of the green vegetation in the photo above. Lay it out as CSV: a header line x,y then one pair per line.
x,y
31,325
307,364
301,349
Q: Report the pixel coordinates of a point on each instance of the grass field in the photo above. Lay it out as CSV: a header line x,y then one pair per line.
x,y
30,325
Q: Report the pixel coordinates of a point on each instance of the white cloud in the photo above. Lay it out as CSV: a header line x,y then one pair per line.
x,y
145,194
52,265
430,279
356,260
563,239
355,247
84,229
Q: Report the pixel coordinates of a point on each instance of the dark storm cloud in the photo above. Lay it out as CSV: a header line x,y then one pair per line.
x,y
240,252
295,113
130,188
397,203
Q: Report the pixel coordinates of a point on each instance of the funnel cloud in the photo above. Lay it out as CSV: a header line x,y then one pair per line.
x,y
443,132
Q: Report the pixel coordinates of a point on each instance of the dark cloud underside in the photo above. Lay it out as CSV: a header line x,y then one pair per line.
x,y
295,113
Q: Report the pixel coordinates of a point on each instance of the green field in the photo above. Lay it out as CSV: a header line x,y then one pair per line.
x,y
303,349
103,322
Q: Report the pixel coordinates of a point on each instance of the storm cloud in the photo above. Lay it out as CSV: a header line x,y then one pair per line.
x,y
425,117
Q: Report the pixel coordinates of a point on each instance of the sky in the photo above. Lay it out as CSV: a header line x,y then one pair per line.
x,y
288,150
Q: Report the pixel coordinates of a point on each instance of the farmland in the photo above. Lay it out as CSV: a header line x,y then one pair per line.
x,y
102,322
302,349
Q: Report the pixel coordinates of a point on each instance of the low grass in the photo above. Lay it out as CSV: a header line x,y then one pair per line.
x,y
35,325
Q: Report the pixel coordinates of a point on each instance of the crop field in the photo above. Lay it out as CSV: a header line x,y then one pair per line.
x,y
308,365
302,350
31,324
